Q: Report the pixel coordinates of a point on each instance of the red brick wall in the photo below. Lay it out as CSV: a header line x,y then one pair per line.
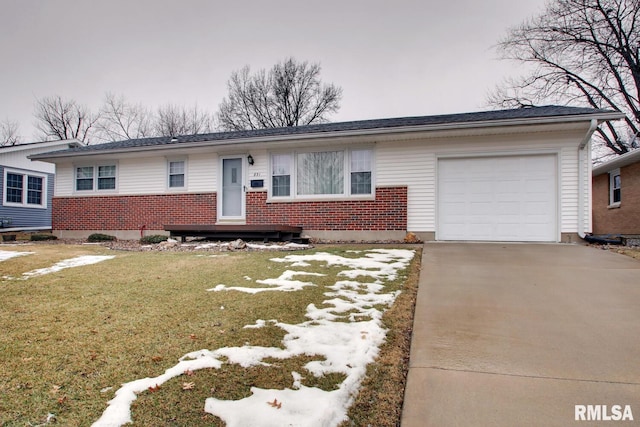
x,y
626,218
387,212
132,212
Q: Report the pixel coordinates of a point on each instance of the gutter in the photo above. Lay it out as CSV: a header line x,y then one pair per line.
x,y
581,175
341,134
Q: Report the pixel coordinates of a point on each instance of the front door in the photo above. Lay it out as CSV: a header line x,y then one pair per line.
x,y
232,204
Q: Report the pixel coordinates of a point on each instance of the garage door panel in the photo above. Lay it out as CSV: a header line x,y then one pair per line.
x,y
509,198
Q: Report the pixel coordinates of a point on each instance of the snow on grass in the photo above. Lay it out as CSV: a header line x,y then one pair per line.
x,y
343,336
283,283
5,255
68,263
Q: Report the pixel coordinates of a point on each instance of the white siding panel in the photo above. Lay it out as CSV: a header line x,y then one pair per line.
x,y
64,180
569,189
203,173
142,175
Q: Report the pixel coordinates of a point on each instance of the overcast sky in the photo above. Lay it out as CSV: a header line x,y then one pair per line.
x,y
391,58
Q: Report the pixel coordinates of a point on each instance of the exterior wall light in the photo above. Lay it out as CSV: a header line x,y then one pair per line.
x,y
250,159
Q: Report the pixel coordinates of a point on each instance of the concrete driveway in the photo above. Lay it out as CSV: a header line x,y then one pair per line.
x,y
519,334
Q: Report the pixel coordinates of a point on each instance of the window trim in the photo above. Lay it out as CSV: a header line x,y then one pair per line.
x,y
168,175
345,195
25,189
612,177
95,177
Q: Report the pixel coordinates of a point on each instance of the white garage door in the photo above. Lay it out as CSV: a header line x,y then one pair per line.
x,y
510,198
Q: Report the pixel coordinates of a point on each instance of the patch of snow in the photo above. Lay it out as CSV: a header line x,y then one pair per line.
x,y
283,283
343,336
5,255
68,263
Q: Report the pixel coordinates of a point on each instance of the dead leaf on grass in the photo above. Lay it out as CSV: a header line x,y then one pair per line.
x,y
188,373
188,386
62,400
155,388
156,358
193,336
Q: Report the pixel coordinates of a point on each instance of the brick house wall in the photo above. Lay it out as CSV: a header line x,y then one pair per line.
x,y
626,218
387,212
132,212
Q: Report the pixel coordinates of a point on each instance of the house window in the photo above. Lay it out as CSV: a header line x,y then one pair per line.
x,y
322,173
34,190
96,178
176,174
84,178
23,189
361,172
615,195
281,175
107,177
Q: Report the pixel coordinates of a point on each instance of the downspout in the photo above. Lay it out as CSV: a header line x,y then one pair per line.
x,y
581,175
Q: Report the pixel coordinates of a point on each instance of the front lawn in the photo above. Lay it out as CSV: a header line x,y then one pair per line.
x,y
176,337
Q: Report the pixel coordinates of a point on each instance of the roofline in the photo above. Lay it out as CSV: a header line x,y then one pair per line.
x,y
41,144
526,121
618,162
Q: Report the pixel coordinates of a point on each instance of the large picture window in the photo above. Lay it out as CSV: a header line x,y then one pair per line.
x,y
96,178
328,173
24,189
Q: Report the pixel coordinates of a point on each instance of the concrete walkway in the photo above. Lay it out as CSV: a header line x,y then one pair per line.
x,y
518,334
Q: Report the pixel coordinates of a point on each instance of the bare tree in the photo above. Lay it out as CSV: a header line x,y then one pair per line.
x,y
581,51
121,120
9,133
290,94
173,120
57,118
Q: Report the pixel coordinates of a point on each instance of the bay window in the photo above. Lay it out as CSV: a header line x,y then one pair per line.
x,y
330,173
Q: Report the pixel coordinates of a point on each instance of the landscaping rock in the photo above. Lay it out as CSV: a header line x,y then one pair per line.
x,y
237,245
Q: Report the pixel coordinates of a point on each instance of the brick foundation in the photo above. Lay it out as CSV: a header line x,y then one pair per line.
x,y
387,212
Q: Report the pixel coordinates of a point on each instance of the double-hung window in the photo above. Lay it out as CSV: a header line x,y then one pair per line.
x,y
281,175
615,182
96,177
24,189
330,173
177,174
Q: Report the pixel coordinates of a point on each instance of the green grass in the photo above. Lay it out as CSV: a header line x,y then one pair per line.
x,y
68,335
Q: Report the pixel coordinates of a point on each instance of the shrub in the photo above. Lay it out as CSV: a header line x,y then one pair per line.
x,y
40,237
99,237
155,238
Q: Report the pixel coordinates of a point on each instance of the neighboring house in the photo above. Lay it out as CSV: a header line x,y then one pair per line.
x,y
27,186
616,196
511,175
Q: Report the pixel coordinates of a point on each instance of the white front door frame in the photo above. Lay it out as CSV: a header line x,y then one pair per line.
x,y
232,189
